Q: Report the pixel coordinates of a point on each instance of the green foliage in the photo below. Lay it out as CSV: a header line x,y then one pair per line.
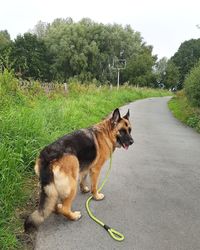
x,y
40,29
85,49
166,72
193,121
35,121
9,93
5,78
4,39
182,110
186,57
192,85
139,68
30,57
160,70
171,77
5,49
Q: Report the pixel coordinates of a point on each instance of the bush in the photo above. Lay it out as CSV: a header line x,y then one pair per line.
x,y
184,111
192,86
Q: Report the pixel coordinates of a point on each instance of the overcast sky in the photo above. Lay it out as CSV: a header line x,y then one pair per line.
x,y
165,24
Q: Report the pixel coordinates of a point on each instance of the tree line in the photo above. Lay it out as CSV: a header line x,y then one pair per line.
x,y
85,50
91,52
179,66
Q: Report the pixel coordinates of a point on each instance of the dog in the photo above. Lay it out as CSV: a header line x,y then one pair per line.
x,y
72,157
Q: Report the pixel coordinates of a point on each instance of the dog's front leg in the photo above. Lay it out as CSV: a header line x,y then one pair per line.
x,y
94,175
84,188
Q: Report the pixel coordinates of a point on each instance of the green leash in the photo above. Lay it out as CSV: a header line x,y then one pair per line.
x,y
113,233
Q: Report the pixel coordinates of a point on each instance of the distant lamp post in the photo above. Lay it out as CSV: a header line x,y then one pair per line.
x,y
118,64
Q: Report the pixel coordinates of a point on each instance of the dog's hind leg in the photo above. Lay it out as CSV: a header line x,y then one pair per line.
x,y
48,199
65,207
66,180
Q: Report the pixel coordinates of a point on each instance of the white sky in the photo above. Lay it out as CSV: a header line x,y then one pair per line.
x,y
165,24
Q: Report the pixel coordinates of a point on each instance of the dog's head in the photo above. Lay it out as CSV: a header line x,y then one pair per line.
x,y
122,128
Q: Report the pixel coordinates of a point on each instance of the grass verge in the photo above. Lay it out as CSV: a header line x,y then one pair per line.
x,y
182,110
29,121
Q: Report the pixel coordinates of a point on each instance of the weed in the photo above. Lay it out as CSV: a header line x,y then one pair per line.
x,y
182,110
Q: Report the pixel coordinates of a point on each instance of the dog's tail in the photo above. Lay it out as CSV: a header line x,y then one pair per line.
x,y
48,199
48,196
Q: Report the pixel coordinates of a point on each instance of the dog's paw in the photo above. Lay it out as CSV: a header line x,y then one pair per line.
x,y
85,189
98,196
75,215
59,207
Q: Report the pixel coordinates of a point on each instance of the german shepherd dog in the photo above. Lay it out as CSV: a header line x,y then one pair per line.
x,y
73,156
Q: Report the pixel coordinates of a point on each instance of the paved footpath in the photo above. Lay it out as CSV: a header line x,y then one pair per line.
x,y
152,195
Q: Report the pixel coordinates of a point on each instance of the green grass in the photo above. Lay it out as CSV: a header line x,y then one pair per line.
x,y
31,120
184,111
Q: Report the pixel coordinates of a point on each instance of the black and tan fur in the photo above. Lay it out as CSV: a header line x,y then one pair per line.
x,y
72,157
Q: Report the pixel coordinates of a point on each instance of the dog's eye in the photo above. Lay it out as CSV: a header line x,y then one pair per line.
x,y
122,131
129,130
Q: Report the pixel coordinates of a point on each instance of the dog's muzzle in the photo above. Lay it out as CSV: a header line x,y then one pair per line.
x,y
124,142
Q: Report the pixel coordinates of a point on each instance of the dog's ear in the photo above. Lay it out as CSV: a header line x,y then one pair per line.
x,y
116,117
127,115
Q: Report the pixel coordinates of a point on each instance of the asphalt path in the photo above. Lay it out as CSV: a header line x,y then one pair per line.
x,y
152,195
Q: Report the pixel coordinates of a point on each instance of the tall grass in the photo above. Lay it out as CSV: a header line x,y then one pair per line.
x,y
184,111
31,120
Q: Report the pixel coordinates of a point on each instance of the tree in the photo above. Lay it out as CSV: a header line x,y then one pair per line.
x,y
5,49
86,49
192,85
186,57
160,70
40,29
4,39
172,75
166,72
31,57
139,67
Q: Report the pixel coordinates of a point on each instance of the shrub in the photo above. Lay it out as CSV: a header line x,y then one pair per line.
x,y
9,90
192,86
8,84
